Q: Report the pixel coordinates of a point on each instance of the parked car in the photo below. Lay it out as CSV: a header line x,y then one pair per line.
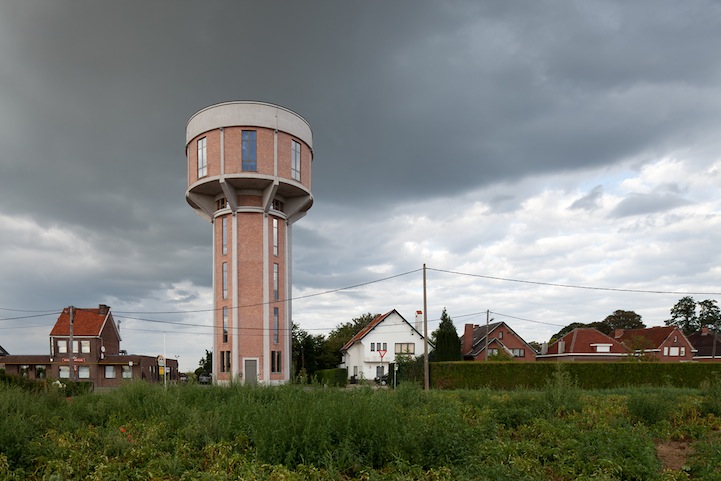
x,y
205,378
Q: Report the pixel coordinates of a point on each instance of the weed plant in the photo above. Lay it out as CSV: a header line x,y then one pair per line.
x,y
559,433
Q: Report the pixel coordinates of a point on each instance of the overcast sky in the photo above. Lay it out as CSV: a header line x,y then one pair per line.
x,y
550,142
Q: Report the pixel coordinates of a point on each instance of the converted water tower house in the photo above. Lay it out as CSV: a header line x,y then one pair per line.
x,y
249,174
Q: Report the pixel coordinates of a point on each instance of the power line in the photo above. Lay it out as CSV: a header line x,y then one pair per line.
x,y
571,286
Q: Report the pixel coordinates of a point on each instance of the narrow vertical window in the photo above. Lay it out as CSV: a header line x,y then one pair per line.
x,y
248,148
202,160
224,235
225,324
275,361
275,325
295,169
225,280
275,282
275,237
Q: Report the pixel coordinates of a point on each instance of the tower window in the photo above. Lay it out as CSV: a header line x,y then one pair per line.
x,y
295,166
248,149
275,237
202,160
225,235
225,280
275,282
276,322
225,324
275,361
221,203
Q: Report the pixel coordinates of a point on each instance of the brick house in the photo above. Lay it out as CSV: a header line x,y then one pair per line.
x,y
703,342
584,344
498,338
665,343
95,350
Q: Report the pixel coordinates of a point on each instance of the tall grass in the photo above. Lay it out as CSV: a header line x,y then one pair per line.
x,y
143,431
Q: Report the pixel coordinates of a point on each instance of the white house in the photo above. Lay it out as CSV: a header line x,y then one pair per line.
x,y
368,354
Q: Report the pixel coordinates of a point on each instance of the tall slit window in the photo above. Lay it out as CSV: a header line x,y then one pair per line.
x,y
275,282
275,325
225,280
295,166
225,235
275,237
202,159
275,362
225,324
248,148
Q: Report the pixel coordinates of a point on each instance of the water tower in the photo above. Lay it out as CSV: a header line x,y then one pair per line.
x,y
249,174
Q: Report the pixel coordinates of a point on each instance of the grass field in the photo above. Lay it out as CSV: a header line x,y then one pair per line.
x,y
189,432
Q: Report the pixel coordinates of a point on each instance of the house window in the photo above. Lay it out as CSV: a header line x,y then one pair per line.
x,y
275,281
275,237
202,161
518,352
275,361
24,370
225,280
385,346
665,350
248,149
683,351
295,172
62,347
500,334
405,348
275,325
83,372
675,338
673,351
41,372
76,346
225,324
224,235
492,352
85,347
127,372
278,205
110,372
64,372
602,347
373,346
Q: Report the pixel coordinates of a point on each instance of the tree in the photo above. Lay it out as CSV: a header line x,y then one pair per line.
x,y
709,314
447,342
206,363
683,315
621,320
307,352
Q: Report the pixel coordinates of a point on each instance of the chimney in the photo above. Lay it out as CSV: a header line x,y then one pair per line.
x,y
617,333
467,339
419,321
704,331
561,346
544,348
103,309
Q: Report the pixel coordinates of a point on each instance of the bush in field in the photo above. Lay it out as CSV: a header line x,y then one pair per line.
x,y
649,407
712,397
561,393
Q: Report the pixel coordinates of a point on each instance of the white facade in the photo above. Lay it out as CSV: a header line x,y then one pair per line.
x,y
389,332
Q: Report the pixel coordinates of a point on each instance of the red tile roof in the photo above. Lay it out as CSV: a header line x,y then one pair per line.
x,y
655,335
86,322
361,334
580,340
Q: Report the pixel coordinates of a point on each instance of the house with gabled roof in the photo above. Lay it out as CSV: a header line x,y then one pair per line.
x,y
665,343
584,344
94,355
3,352
480,342
369,353
707,345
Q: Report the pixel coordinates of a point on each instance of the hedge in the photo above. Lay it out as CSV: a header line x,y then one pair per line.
x,y
587,375
332,377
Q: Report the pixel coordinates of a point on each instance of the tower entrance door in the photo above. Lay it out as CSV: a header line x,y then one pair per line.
x,y
250,371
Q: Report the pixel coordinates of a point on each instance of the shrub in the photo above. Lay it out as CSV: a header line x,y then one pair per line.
x,y
332,377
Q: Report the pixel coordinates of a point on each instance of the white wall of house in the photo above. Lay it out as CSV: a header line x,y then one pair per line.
x,y
363,358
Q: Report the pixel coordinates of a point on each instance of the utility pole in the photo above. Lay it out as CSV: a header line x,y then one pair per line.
x,y
426,371
488,314
71,311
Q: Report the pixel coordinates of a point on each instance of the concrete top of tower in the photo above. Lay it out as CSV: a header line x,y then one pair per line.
x,y
248,113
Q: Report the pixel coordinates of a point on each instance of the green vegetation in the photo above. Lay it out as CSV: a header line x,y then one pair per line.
x,y
558,432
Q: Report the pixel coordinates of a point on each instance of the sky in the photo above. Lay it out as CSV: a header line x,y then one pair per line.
x,y
548,161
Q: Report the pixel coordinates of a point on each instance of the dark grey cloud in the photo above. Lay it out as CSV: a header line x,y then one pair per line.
x,y
590,201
